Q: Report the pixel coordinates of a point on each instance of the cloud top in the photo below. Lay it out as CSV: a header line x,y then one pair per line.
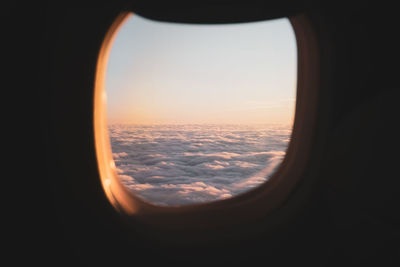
x,y
184,164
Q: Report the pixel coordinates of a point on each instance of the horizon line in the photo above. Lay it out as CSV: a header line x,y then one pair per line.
x,y
198,123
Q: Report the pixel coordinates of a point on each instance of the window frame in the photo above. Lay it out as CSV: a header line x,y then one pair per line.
x,y
254,207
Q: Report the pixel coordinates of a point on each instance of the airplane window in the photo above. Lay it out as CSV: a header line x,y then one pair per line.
x,y
198,113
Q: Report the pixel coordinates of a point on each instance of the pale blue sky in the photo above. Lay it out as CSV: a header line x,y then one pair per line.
x,y
162,72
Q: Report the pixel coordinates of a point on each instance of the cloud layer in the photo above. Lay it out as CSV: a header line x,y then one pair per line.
x,y
184,164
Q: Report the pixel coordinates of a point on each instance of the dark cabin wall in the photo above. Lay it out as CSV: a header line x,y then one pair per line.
x,y
351,216
360,167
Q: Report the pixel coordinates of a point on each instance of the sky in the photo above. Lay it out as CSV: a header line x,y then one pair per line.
x,y
172,73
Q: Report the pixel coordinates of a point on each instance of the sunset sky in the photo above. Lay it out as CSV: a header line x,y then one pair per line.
x,y
170,73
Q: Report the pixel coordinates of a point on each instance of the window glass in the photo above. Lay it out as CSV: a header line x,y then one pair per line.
x,y
198,113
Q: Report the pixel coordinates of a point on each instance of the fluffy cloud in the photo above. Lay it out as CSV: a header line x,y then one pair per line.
x,y
177,165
